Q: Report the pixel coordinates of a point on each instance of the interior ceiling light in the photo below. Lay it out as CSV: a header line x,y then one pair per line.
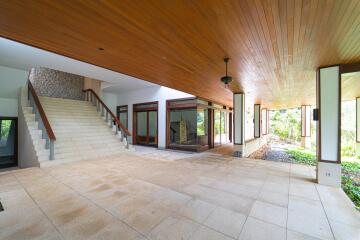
x,y
226,79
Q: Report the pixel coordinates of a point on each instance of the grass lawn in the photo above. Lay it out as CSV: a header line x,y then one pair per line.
x,y
350,172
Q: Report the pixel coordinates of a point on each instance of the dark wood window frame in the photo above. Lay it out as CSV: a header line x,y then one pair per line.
x,y
146,110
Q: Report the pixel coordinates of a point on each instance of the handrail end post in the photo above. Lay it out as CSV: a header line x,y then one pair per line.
x,y
52,154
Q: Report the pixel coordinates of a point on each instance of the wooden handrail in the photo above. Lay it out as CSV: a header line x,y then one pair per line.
x,y
117,121
41,111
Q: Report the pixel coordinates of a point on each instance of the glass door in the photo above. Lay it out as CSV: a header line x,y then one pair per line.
x,y
152,116
8,142
141,128
146,124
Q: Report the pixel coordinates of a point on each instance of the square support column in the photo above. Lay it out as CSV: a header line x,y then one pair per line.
x,y
305,126
328,101
239,124
257,120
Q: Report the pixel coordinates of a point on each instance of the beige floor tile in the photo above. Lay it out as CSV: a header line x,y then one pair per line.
x,y
197,210
345,232
282,187
269,213
34,227
274,198
304,191
258,230
147,190
204,233
312,217
228,222
144,220
129,205
343,213
116,230
174,227
87,225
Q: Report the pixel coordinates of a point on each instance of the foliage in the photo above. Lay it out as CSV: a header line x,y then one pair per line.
x,y
200,123
303,157
347,151
5,128
351,167
286,124
352,189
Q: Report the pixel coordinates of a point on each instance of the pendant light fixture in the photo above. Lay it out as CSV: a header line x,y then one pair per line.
x,y
226,79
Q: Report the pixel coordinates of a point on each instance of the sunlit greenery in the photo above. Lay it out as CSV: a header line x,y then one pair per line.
x,y
200,123
5,128
286,124
348,129
302,156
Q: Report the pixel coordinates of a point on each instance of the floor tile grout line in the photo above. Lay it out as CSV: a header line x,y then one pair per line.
x,y
42,211
287,215
247,216
327,218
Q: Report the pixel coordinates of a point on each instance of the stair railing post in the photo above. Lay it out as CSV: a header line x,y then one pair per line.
x,y
52,154
47,142
102,110
121,135
107,117
127,142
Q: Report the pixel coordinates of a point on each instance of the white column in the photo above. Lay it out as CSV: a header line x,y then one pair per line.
x,y
239,124
257,120
305,126
328,100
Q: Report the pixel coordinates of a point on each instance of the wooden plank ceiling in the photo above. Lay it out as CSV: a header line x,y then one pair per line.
x,y
275,46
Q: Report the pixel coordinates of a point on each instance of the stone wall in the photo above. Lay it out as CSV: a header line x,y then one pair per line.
x,y
52,83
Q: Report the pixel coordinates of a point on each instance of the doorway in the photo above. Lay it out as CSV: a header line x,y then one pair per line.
x,y
122,115
145,124
8,142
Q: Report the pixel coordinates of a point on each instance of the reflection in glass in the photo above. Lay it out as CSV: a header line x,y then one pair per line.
x,y
141,128
7,143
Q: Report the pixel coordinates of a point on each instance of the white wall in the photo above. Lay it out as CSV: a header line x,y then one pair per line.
x,y
11,80
158,93
111,100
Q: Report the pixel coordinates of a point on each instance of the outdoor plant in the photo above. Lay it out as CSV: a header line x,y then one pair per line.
x,y
300,156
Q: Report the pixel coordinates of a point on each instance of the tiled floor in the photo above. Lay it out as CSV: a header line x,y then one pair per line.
x,y
205,196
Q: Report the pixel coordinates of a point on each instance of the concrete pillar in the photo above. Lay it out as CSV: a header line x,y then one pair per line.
x,y
358,126
328,131
239,124
257,120
305,126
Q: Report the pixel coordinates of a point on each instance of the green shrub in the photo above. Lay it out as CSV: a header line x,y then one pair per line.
x,y
352,189
302,157
351,167
348,151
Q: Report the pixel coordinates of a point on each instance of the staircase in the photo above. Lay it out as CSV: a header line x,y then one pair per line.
x,y
81,132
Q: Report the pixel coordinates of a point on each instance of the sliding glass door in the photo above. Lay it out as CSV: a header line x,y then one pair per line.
x,y
145,123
